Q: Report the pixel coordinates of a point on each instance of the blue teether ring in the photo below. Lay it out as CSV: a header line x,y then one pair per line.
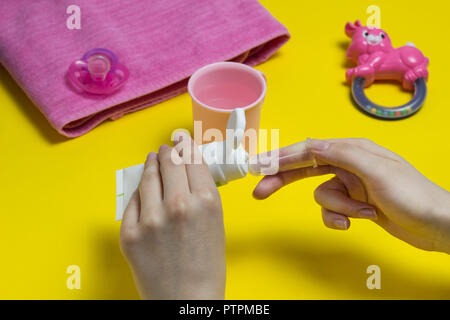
x,y
394,113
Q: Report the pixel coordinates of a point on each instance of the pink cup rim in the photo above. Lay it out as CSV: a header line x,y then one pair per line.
x,y
227,65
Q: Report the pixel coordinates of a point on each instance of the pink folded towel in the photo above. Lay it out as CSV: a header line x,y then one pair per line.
x,y
162,42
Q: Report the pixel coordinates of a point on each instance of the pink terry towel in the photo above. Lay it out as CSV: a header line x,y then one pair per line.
x,y
162,42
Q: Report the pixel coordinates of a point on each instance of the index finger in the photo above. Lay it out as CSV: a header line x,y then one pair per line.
x,y
198,174
292,157
270,184
173,172
150,189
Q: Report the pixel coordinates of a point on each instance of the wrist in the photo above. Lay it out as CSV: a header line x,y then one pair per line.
x,y
185,292
441,220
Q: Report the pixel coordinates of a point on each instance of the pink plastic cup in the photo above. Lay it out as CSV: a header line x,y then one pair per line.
x,y
218,88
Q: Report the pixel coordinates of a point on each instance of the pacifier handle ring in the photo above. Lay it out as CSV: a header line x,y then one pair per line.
x,y
395,113
113,58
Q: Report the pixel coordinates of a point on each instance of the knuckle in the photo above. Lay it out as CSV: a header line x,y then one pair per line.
x,y
151,223
170,158
147,177
365,141
324,186
318,192
151,170
129,238
338,149
208,196
351,211
366,144
345,147
178,206
343,151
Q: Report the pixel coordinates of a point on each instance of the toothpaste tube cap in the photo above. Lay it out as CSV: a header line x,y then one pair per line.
x,y
228,160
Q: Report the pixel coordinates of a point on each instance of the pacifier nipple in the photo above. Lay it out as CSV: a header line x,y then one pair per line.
x,y
98,71
99,67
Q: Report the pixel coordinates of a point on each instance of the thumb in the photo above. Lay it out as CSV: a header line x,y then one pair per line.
x,y
349,155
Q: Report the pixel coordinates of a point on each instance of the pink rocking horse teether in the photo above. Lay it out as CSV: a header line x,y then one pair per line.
x,y
377,59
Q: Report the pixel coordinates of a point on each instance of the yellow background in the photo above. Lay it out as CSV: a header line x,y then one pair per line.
x,y
58,195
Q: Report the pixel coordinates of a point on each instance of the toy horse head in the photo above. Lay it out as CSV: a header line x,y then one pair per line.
x,y
366,40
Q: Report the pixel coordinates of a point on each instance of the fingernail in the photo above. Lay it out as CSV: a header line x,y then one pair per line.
x,y
152,156
164,146
341,224
368,213
318,145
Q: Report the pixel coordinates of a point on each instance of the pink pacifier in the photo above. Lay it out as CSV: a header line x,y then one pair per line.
x,y
98,72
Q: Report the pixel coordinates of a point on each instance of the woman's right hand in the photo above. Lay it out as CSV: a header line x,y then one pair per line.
x,y
172,231
370,182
